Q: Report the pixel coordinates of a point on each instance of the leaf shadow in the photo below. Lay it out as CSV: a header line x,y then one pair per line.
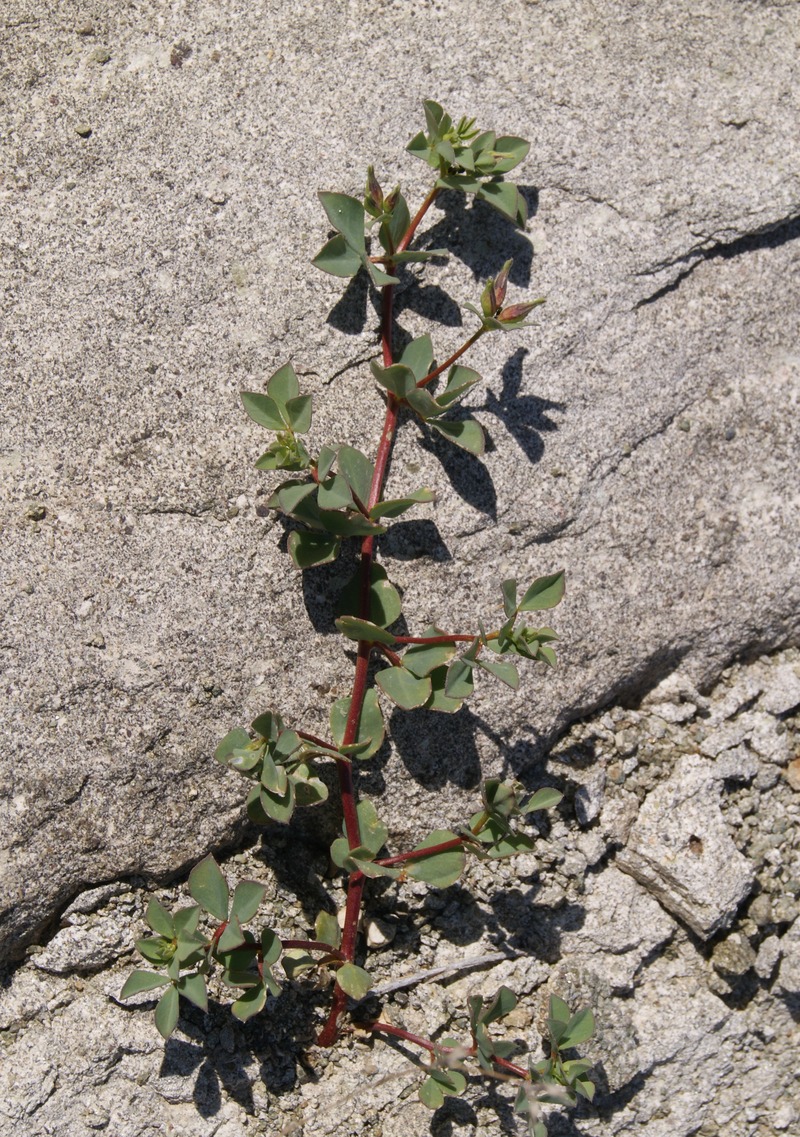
x,y
467,474
525,417
481,238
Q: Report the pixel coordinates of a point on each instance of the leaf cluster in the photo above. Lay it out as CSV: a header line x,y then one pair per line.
x,y
279,762
472,161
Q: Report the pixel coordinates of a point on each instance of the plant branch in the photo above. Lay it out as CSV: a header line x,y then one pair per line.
x,y
452,358
408,236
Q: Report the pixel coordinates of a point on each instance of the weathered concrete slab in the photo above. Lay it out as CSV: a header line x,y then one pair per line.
x,y
159,176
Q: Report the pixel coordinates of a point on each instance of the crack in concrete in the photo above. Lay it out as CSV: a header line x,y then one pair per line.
x,y
770,236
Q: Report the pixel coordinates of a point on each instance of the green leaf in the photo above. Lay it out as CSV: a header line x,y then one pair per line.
x,y
247,897
370,729
509,598
298,412
267,725
439,869
255,810
250,1003
186,920
279,806
263,410
430,1094
296,961
396,506
543,799
346,215
234,740
357,471
346,858
283,385
291,494
156,949
464,182
545,592
422,659
579,1028
418,355
167,1012
310,549
502,1004
440,1084
403,687
421,401
193,988
142,981
325,460
399,379
334,493
232,937
207,886
506,199
356,629
354,981
373,832
159,919
547,654
245,761
559,1012
459,381
504,842
503,670
379,278
440,700
309,791
459,684
273,778
395,228
337,258
467,434
271,947
327,930
514,150
384,599
418,255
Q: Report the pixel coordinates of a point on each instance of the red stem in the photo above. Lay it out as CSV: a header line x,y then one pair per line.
x,y
408,236
355,884
418,854
451,359
432,1048
443,639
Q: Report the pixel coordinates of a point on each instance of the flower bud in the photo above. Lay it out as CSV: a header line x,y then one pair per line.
x,y
373,194
501,284
516,312
489,303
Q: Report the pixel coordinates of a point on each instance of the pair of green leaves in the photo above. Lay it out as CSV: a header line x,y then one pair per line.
x,y
435,866
403,380
335,504
472,162
278,761
286,411
491,833
346,252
